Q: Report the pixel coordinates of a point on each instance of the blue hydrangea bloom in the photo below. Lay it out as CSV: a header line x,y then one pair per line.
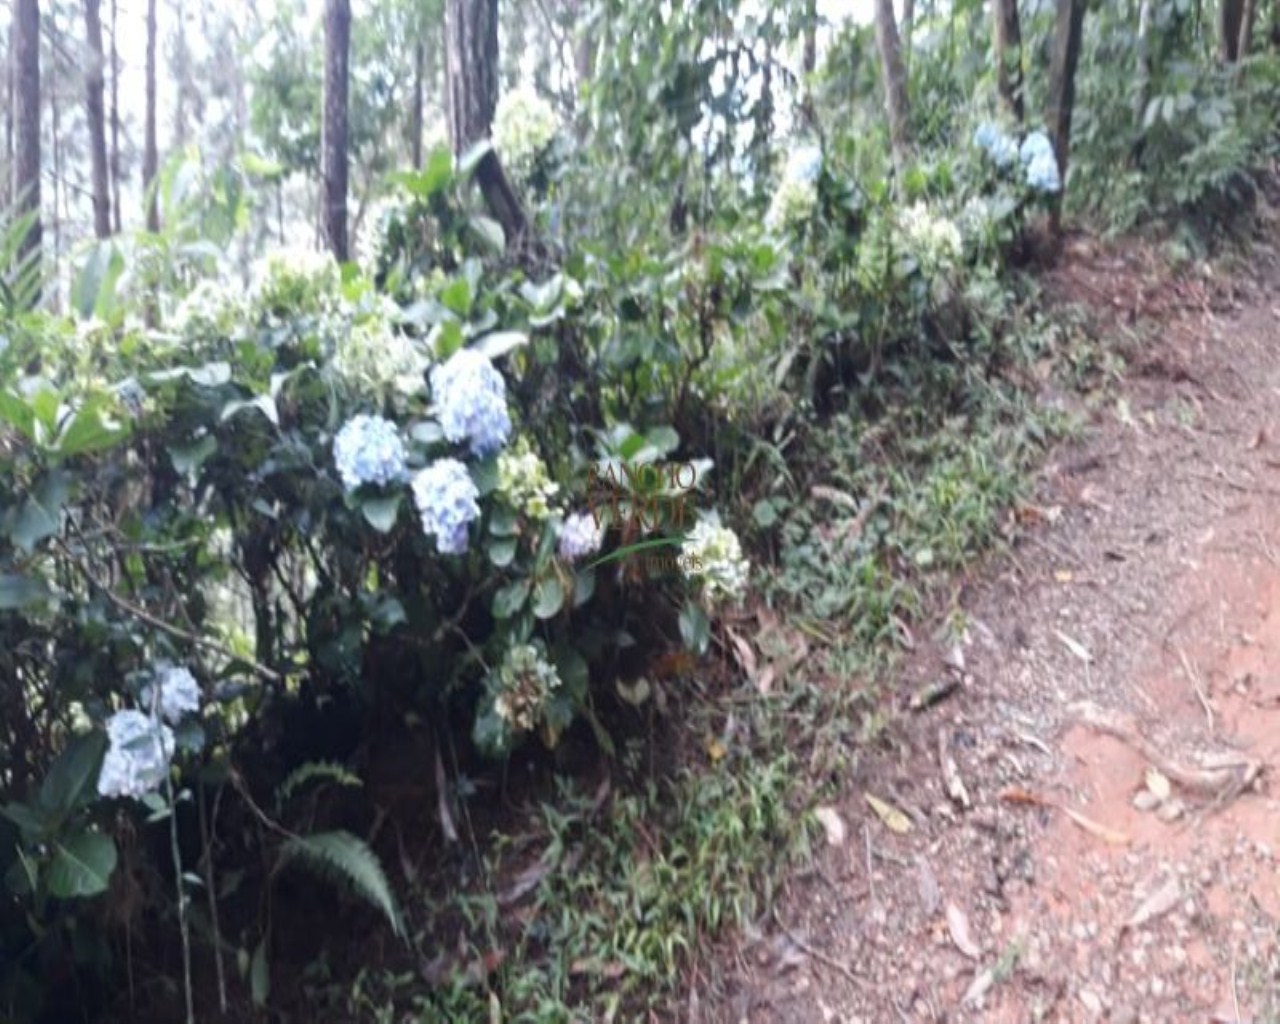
x,y
579,536
446,498
1040,164
368,450
179,693
804,164
471,401
137,758
992,140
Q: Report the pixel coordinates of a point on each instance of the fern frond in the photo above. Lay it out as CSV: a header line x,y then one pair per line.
x,y
341,855
311,771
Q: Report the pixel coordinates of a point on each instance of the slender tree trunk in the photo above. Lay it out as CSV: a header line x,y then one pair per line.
x,y
894,77
415,114
333,146
1230,17
1008,47
6,186
26,116
810,59
55,116
1247,15
150,152
1062,89
908,25
471,81
96,113
115,117
1143,91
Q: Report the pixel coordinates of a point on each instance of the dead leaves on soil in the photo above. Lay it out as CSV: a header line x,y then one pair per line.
x,y
1105,833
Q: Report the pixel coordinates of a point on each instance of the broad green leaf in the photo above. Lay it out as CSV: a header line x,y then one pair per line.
x,y
695,627
502,551
18,591
381,512
72,771
548,597
90,430
259,976
82,866
510,599
188,458
41,514
499,343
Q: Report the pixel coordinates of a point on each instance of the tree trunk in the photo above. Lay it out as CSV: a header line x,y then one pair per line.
x,y
810,60
1143,91
96,113
115,117
1230,17
150,153
26,117
1062,89
471,81
894,77
908,25
1247,15
1008,47
333,144
6,186
415,114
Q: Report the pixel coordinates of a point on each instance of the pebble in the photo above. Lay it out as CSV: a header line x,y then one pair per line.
x,y
1091,1001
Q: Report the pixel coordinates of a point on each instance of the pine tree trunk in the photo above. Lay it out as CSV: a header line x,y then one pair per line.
x,y
1230,17
26,117
1008,47
894,77
810,59
96,113
6,186
1067,35
415,115
150,152
471,84
1247,15
333,143
115,117
1143,92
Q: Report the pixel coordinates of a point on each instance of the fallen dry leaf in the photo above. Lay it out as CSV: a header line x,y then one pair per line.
x,y
1156,905
951,773
1074,646
831,822
927,885
958,929
743,653
980,987
1104,833
893,818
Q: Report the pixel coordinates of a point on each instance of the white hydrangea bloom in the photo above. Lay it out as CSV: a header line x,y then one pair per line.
x,y
471,400
446,498
796,198
372,354
179,693
580,536
524,482
934,240
211,309
525,682
295,280
138,754
378,218
712,555
523,126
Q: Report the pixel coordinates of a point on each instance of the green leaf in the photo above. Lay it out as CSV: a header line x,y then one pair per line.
x,y
265,404
499,343
89,430
188,458
489,232
72,771
663,439
341,855
259,976
510,599
41,514
18,592
548,597
765,513
472,157
381,513
695,628
94,286
456,296
502,551
434,176
82,866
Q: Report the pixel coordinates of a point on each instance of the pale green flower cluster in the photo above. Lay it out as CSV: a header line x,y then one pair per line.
x,y
382,214
933,240
292,281
373,355
525,484
525,682
523,126
712,555
211,309
793,203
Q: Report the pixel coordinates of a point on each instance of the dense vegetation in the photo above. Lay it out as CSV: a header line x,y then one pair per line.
x,y
516,563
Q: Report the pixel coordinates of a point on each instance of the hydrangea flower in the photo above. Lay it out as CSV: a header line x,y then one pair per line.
x,y
712,555
446,498
130,394
471,399
524,482
580,536
996,143
295,280
796,198
379,219
934,241
138,754
179,693
211,309
368,450
523,126
374,355
525,681
1040,164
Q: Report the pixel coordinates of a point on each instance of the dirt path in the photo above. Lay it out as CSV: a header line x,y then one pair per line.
x,y
1152,589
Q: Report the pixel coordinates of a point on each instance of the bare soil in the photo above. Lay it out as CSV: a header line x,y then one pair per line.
x,y
1084,874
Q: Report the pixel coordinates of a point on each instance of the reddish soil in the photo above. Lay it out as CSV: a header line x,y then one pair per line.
x,y
1148,583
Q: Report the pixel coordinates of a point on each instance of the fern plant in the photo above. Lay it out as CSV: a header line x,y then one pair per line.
x,y
345,858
